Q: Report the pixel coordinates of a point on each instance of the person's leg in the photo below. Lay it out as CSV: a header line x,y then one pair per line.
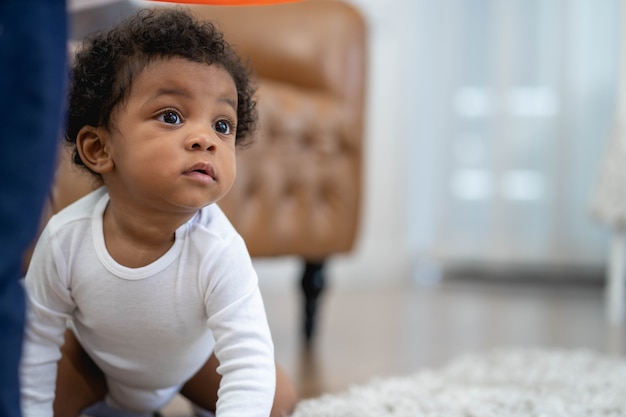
x,y
80,383
201,389
32,74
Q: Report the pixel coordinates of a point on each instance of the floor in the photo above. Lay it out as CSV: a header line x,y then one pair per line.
x,y
403,329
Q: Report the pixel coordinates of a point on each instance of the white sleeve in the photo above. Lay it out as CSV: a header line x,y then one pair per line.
x,y
243,343
49,306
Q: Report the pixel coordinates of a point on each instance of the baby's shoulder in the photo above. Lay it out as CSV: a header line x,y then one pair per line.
x,y
212,221
80,211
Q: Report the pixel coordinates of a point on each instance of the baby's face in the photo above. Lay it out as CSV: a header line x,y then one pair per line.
x,y
173,140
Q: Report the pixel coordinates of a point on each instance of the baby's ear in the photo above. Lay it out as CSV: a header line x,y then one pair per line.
x,y
91,144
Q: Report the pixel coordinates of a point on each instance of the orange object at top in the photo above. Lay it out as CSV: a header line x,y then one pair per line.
x,y
229,2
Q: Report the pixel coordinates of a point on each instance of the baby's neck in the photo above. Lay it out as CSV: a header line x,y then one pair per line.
x,y
135,241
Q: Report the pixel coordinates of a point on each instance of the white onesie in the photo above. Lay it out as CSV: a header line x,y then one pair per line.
x,y
149,329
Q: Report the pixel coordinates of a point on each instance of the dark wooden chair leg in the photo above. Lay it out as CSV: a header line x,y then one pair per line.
x,y
313,283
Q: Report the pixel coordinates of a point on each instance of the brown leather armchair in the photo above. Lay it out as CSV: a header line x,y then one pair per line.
x,y
298,187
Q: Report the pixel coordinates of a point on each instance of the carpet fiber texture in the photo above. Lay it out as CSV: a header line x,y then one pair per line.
x,y
499,383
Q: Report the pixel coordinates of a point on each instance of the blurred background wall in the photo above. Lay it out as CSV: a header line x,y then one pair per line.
x,y
488,120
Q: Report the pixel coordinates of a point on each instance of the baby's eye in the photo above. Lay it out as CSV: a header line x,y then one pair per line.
x,y
170,117
223,127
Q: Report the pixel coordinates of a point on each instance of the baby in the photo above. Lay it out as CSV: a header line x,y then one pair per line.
x,y
143,289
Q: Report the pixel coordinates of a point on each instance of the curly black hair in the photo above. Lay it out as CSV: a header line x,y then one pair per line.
x,y
107,63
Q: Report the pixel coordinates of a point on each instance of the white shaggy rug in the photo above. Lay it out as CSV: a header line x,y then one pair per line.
x,y
501,383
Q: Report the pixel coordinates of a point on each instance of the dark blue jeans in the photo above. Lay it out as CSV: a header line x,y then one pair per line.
x,y
33,37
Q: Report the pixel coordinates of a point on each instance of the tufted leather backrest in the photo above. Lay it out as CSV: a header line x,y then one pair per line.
x,y
298,187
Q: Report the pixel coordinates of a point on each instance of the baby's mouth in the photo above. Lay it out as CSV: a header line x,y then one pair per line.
x,y
202,169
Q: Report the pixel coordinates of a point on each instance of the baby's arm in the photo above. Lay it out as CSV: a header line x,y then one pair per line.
x,y
243,343
49,307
